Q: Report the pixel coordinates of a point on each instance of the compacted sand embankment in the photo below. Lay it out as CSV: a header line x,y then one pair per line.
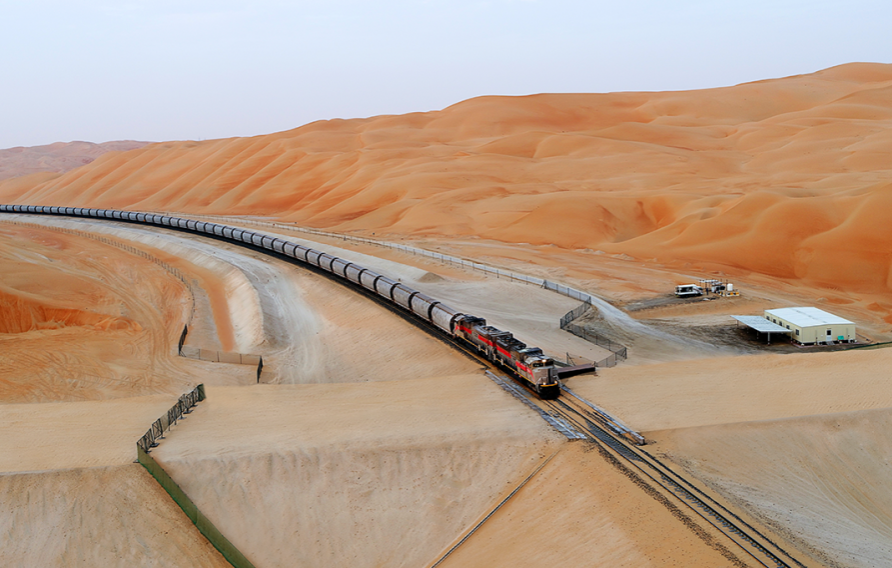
x,y
393,470
782,186
799,441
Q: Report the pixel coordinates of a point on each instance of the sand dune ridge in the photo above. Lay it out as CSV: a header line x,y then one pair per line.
x,y
786,177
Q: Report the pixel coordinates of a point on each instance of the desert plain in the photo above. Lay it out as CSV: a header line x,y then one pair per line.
x,y
366,441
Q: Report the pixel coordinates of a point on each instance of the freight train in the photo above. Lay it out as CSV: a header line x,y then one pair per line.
x,y
528,364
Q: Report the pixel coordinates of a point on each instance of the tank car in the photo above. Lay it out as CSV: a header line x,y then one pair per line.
x,y
528,364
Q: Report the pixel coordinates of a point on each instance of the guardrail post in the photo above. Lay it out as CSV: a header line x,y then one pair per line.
x,y
183,338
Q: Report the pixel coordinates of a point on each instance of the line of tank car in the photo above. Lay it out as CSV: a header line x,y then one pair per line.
x,y
528,364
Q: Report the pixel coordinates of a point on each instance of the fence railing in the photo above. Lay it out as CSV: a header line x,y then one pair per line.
x,y
574,314
214,356
620,351
455,260
159,427
202,522
567,291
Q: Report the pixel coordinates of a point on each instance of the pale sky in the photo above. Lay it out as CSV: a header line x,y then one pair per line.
x,y
188,70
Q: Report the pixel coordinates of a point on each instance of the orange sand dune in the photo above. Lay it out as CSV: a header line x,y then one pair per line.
x,y
787,177
56,158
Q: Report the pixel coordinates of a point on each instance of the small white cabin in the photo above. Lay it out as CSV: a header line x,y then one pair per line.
x,y
811,325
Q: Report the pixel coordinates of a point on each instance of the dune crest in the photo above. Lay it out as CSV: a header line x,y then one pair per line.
x,y
785,177
56,158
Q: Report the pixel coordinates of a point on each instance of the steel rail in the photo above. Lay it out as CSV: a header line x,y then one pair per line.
x,y
597,426
752,542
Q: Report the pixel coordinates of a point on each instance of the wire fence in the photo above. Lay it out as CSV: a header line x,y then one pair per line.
x,y
620,352
214,356
567,291
455,260
159,427
575,313
150,440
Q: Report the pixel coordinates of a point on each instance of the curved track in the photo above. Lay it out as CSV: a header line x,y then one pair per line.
x,y
572,415
421,306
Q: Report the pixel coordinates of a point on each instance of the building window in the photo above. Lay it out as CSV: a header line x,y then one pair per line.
x,y
797,332
829,332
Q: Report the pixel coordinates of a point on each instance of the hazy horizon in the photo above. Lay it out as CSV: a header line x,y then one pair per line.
x,y
103,71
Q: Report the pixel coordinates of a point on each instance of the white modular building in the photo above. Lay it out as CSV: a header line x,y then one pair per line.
x,y
811,325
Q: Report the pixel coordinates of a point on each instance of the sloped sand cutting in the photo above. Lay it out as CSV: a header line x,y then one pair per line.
x,y
85,320
581,511
231,310
327,333
531,312
379,474
108,516
81,355
741,389
821,481
21,314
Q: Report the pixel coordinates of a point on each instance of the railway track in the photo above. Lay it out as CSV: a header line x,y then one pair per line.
x,y
577,418
585,418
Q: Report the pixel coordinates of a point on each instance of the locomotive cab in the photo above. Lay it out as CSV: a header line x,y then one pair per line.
x,y
528,364
543,371
544,375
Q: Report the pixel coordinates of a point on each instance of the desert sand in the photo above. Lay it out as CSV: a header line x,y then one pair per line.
x,y
781,185
828,493
798,440
394,473
44,162
89,332
434,418
367,475
706,392
785,177
586,513
68,435
103,516
83,320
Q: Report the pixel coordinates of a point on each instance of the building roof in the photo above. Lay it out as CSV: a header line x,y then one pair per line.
x,y
808,317
761,324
